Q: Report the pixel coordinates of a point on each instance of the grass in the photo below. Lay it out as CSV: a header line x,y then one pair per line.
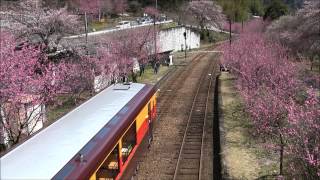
x,y
213,37
244,156
67,104
57,112
97,26
168,25
149,77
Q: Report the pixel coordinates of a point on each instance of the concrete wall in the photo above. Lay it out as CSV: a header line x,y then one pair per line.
x,y
170,39
173,40
36,117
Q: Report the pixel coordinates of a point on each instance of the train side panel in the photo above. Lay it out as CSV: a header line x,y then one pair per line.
x,y
144,116
141,127
142,124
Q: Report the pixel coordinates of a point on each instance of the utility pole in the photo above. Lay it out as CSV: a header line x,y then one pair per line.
x,y
185,43
155,37
155,33
86,26
86,30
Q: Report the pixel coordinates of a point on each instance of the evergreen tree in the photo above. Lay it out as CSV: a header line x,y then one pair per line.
x,y
256,7
275,9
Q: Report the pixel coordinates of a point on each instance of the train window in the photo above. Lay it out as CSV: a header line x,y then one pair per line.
x,y
128,142
110,168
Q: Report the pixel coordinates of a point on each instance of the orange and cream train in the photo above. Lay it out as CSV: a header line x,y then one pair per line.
x,y
95,141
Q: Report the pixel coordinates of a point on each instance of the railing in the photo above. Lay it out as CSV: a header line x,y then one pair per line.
x,y
116,29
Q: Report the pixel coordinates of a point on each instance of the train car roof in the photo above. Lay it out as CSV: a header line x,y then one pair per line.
x,y
46,153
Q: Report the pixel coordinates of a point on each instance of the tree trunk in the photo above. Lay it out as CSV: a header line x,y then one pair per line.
x,y
230,36
241,25
99,15
2,130
281,155
134,76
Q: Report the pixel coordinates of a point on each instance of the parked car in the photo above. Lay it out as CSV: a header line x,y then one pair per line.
x,y
123,24
133,23
145,20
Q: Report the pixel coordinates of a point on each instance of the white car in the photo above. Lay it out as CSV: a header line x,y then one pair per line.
x,y
145,20
123,24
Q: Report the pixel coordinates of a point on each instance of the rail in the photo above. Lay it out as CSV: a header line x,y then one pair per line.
x,y
176,84
190,156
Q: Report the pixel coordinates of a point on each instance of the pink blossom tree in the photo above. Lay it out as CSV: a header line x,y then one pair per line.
x,y
25,86
300,32
106,6
206,13
151,11
41,25
304,135
80,76
154,13
117,52
271,87
120,6
86,7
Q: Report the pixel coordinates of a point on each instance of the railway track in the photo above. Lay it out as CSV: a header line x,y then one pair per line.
x,y
172,86
189,163
178,106
193,130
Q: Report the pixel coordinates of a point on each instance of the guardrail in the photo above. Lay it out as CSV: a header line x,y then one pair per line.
x,y
210,28
116,29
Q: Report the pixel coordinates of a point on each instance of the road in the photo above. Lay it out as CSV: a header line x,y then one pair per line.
x,y
116,29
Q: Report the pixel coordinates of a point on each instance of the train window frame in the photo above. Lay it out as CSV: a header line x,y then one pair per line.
x,y
127,147
111,169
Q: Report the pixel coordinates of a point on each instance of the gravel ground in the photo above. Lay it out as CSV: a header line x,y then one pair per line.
x,y
176,96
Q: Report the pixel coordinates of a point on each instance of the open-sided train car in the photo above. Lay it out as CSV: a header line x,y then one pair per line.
x,y
95,141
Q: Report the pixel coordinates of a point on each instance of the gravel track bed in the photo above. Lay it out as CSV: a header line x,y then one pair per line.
x,y
175,101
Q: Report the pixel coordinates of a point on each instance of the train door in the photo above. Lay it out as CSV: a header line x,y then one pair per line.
x,y
150,124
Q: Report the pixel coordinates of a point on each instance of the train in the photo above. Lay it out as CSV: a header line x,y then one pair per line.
x,y
95,141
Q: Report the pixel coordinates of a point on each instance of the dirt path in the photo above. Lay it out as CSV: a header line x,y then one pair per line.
x,y
243,156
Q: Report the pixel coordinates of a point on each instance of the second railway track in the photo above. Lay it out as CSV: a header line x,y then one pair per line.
x,y
174,85
176,152
190,157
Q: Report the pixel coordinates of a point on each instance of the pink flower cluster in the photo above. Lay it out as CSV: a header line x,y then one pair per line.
x,y
235,27
283,109
27,79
